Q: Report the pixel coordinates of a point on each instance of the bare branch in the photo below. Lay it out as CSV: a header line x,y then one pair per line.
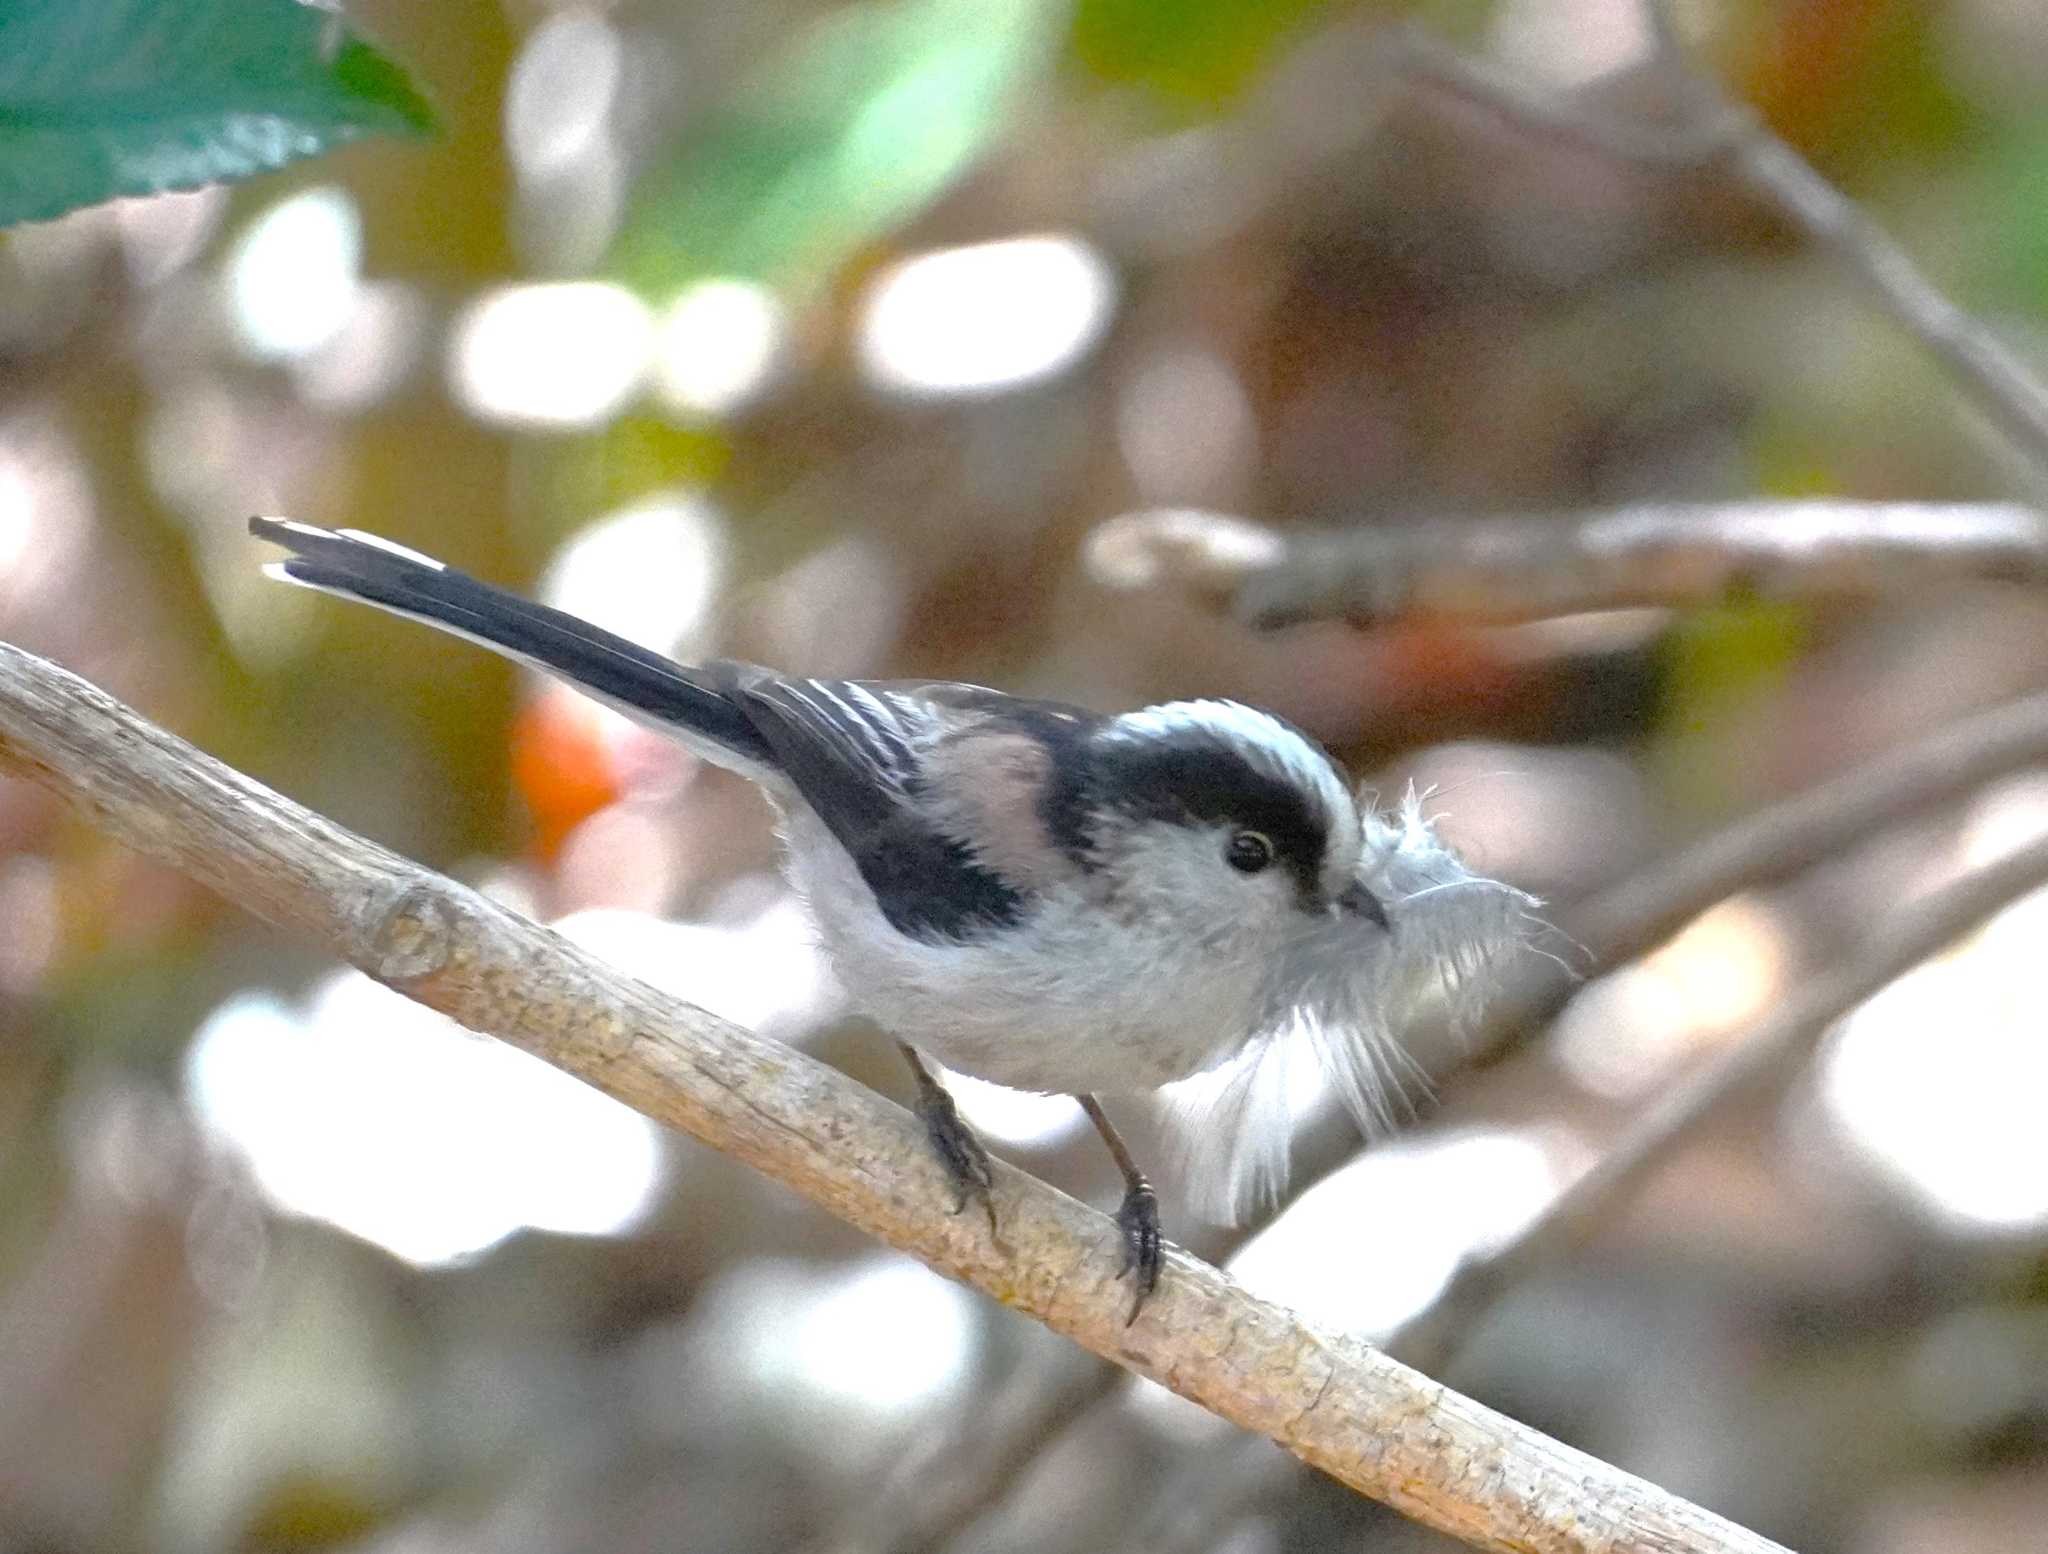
x,y
1776,1045
1333,1400
1519,569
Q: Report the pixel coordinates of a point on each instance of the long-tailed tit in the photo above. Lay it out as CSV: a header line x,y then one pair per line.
x,y
1042,896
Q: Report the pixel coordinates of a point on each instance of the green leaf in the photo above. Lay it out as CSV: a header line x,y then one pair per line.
x,y
850,133
100,98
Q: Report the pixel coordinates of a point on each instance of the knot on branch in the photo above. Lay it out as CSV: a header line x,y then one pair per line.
x,y
413,935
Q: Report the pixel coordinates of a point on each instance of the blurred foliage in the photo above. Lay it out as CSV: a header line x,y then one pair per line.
x,y
1719,662
2012,193
851,131
1200,52
139,96
1856,87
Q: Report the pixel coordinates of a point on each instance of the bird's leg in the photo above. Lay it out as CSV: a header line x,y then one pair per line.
x,y
959,1151
1138,1217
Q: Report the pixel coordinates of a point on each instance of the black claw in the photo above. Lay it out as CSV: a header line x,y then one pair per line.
x,y
959,1151
1138,1219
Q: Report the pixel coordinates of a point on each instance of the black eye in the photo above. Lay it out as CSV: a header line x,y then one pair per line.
x,y
1248,852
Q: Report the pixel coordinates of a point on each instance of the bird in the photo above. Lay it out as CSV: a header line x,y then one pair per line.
x,y
1047,897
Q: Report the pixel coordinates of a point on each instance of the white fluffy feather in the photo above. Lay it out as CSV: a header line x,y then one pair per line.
x,y
1453,931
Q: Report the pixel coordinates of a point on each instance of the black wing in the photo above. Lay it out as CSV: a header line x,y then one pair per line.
x,y
852,752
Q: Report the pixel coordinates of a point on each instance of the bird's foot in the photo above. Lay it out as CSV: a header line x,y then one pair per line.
x,y
1138,1219
959,1151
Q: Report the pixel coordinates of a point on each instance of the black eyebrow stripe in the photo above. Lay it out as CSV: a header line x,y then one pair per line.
x,y
1209,781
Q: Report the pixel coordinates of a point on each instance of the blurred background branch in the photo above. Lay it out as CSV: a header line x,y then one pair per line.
x,y
2004,387
1524,569
1902,941
1427,60
1714,130
1633,916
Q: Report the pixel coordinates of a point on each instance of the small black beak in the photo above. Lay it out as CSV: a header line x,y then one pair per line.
x,y
1360,902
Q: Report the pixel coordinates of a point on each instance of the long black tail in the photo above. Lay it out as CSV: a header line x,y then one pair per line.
x,y
643,683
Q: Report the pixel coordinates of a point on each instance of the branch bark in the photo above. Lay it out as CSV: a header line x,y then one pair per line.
x,y
1334,1401
1519,569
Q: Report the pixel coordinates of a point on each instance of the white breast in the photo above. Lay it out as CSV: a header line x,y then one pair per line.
x,y
1074,1000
